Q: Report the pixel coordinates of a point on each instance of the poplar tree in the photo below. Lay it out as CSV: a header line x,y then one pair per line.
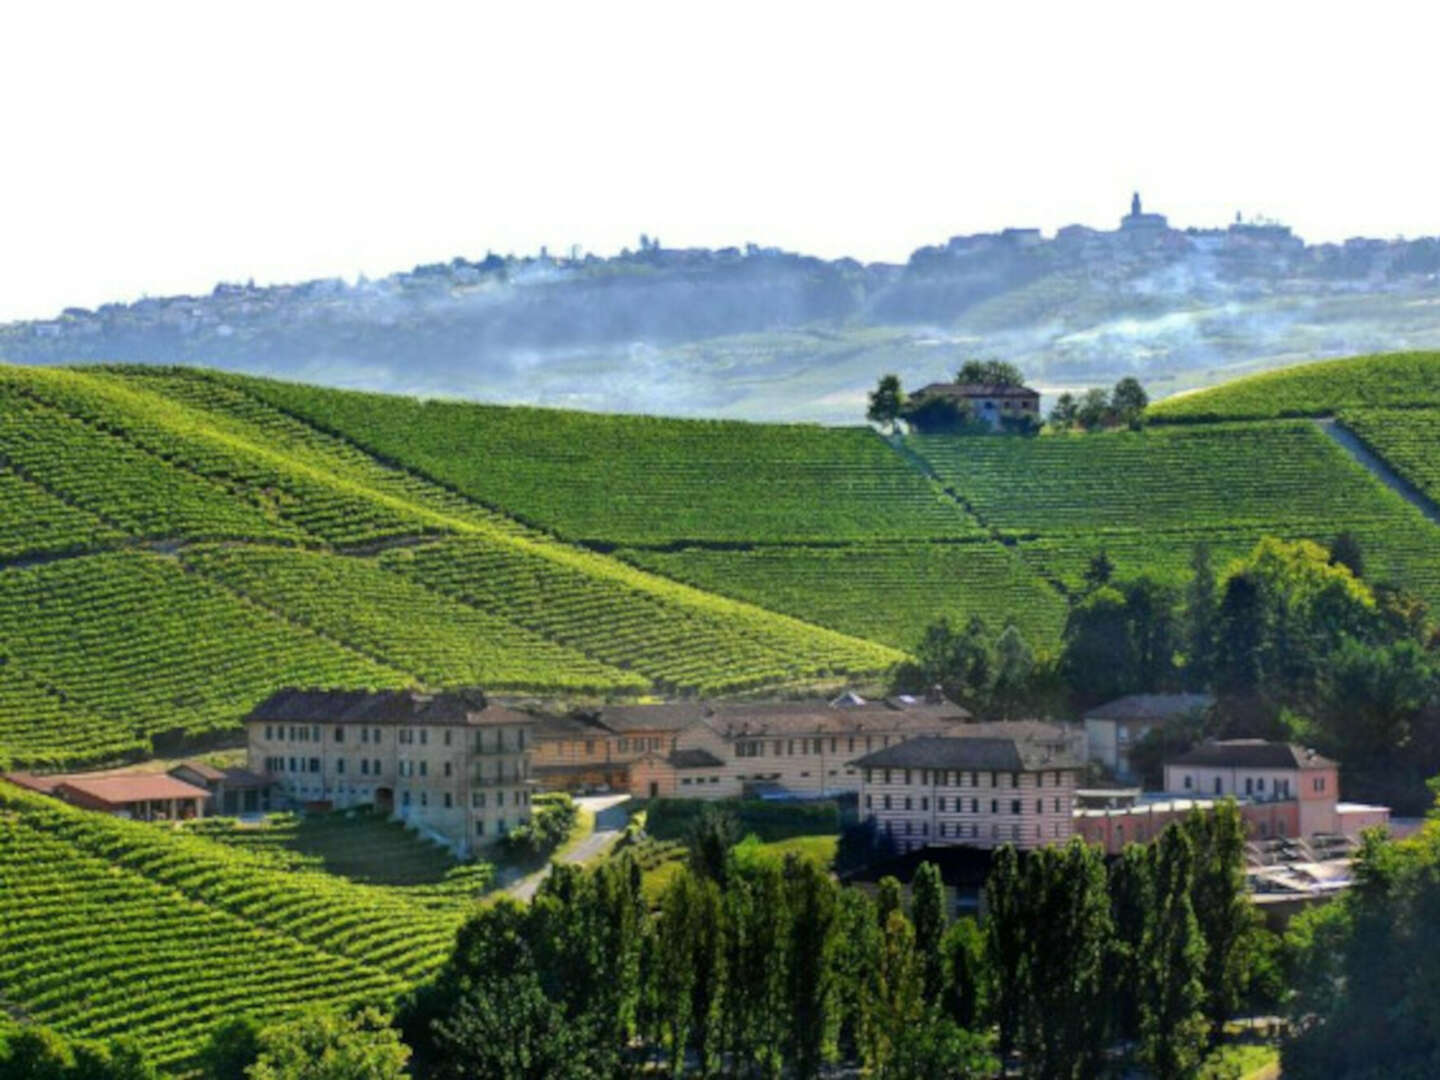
x,y
1132,902
927,912
1172,1019
1225,914
963,999
1005,966
896,995
809,967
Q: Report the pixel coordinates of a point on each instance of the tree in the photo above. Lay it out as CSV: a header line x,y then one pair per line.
x,y
35,1053
888,894
961,662
1223,910
1172,1020
886,401
896,998
1132,903
1093,411
1096,653
1150,607
991,372
1006,954
231,1049
1100,570
812,1020
964,952
328,1046
506,1029
1201,618
1345,551
937,414
710,839
1064,412
927,912
1014,672
935,1048
1129,400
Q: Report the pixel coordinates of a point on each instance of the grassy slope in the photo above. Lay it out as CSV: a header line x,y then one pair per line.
x,y
152,629
1398,380
115,926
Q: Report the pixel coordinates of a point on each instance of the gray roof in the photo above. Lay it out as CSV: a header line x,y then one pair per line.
x,y
969,390
1150,707
676,716
1252,754
974,752
463,707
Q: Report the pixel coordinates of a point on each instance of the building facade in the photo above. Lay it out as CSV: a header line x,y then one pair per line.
x,y
597,748
980,791
1113,729
792,748
453,765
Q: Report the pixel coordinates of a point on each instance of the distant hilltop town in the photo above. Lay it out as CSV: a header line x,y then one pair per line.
x,y
755,332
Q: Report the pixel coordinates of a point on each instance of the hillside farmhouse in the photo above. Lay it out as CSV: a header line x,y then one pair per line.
x,y
596,748
990,403
232,791
454,765
1113,729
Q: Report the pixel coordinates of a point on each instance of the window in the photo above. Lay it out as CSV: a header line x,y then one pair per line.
x,y
1249,786
364,734
339,734
1014,806
869,801
1260,783
1057,804
292,765
424,798
1057,777
1039,806
887,776
364,766
924,802
994,780
477,800
340,766
974,806
1014,779
818,746
589,747
907,802
1039,779
994,806
867,776
424,736
1218,788
790,746
520,740
909,827
924,828
974,779
1189,781
448,768
375,738
907,777
851,747
315,764
479,827
405,798
447,736
499,798
448,801
315,733
887,802
423,768
924,777
268,734
375,766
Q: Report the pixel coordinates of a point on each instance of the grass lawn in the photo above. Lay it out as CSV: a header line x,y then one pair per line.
x,y
1241,1061
818,849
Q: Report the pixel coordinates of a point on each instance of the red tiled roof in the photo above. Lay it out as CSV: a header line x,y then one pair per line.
x,y
132,787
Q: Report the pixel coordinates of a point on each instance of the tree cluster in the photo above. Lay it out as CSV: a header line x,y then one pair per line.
x,y
1096,408
1290,640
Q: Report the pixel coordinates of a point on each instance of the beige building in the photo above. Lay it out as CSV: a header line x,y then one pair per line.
x,y
801,748
596,748
984,789
1112,730
454,765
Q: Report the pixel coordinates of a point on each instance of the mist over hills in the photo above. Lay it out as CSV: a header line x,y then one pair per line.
x,y
764,334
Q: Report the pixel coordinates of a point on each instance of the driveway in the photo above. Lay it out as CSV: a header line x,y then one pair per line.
x,y
610,822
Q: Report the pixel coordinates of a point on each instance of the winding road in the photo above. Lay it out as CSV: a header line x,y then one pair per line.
x,y
610,822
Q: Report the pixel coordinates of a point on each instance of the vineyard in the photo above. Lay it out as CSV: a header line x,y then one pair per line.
x,y
887,593
642,480
1407,439
114,926
665,634
1401,380
442,641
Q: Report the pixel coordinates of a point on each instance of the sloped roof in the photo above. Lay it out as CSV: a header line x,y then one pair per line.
x,y
983,753
549,726
894,716
131,787
1252,754
975,390
1150,707
201,769
673,716
465,706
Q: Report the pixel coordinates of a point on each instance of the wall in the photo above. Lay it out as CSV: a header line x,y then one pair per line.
x,y
924,822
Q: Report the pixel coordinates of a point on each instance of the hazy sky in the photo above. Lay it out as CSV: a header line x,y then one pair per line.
x,y
158,148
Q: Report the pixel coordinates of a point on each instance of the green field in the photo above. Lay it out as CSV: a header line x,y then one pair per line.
x,y
1398,380
1408,440
117,927
176,544
642,480
885,592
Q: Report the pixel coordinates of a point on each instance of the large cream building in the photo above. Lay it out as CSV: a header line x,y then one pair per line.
x,y
985,788
452,763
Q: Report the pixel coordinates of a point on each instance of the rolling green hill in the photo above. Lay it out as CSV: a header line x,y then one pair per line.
x,y
1395,380
117,927
177,543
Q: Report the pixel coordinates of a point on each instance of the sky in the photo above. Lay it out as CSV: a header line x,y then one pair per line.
x,y
154,149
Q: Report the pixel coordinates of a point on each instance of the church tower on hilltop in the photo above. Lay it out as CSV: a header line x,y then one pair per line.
x,y
1138,219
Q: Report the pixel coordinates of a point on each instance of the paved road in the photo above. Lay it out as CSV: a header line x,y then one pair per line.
x,y
609,824
1386,475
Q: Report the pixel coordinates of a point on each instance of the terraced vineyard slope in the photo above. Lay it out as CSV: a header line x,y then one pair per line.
x,y
118,927
1396,380
1408,440
177,548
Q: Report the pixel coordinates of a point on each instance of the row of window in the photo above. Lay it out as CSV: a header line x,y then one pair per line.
x,y
954,777
971,830
403,736
1255,785
957,804
687,781
792,747
639,745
